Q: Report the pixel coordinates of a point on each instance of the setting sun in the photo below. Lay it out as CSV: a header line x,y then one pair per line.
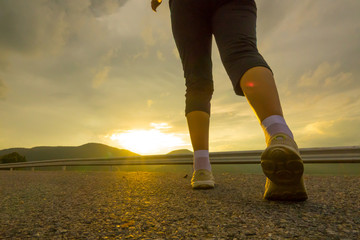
x,y
149,141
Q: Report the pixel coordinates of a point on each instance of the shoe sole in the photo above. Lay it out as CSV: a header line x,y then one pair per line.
x,y
203,184
282,165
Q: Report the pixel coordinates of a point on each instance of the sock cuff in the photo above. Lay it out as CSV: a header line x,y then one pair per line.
x,y
201,153
273,119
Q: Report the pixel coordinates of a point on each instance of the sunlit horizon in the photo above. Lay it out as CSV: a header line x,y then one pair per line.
x,y
155,140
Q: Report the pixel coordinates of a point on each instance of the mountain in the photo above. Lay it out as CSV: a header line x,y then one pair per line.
x,y
89,150
180,151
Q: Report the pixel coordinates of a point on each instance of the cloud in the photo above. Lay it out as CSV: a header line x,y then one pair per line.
x,y
326,75
160,56
106,7
27,26
323,87
100,77
148,36
102,72
309,32
176,53
149,102
338,132
319,128
272,14
160,125
3,90
40,26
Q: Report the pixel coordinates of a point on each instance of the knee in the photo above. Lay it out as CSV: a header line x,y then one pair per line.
x,y
198,95
199,87
256,78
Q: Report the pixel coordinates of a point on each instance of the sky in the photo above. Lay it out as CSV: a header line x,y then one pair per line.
x,y
108,71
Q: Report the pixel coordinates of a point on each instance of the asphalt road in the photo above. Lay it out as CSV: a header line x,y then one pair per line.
x,y
155,205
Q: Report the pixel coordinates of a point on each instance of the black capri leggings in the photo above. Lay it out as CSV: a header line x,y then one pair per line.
x,y
233,23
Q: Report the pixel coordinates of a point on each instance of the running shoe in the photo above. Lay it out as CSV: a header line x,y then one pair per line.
x,y
282,165
202,179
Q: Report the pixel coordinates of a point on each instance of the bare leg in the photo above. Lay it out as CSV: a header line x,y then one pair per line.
x,y
259,87
198,123
260,90
281,162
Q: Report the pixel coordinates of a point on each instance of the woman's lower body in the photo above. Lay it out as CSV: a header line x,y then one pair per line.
x,y
233,24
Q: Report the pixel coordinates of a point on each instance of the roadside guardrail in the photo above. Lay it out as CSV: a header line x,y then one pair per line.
x,y
309,155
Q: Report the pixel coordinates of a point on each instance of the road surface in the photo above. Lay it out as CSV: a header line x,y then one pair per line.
x,y
162,205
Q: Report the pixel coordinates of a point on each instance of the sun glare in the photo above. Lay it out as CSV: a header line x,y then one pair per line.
x,y
149,141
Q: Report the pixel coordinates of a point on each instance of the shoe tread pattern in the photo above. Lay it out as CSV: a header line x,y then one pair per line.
x,y
282,165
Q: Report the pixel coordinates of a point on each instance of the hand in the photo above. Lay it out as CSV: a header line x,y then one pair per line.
x,y
155,4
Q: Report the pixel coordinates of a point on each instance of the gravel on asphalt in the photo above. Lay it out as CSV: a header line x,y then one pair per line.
x,y
162,205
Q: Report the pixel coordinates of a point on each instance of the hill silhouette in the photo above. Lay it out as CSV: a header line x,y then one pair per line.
x,y
181,151
89,150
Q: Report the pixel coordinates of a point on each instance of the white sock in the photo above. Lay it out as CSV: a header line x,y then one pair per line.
x,y
273,125
202,160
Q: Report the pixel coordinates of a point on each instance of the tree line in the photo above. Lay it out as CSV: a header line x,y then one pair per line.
x,y
13,157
